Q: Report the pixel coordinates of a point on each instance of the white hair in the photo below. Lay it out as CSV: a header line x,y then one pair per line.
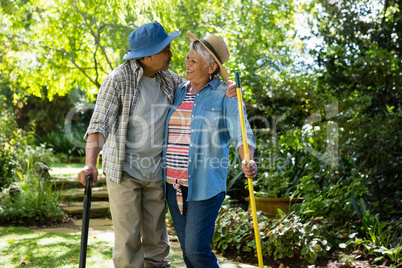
x,y
199,49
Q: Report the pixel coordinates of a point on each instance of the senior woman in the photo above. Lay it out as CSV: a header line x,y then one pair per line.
x,y
198,130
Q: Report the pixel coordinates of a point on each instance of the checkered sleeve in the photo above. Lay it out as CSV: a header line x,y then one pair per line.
x,y
106,108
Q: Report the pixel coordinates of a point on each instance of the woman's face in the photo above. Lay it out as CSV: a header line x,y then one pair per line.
x,y
196,68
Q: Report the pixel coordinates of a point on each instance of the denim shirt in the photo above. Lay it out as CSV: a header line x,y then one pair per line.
x,y
214,123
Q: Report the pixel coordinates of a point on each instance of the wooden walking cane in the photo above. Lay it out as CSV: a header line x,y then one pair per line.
x,y
250,181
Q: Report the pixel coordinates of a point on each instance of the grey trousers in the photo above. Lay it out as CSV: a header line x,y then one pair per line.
x,y
138,214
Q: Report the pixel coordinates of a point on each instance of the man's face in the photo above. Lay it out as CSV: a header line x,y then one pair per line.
x,y
161,61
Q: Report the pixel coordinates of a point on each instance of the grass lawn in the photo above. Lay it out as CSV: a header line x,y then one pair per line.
x,y
23,246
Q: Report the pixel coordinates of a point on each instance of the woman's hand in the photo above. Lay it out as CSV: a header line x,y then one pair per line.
x,y
250,169
231,91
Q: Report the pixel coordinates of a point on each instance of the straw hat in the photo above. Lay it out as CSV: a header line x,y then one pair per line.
x,y
218,49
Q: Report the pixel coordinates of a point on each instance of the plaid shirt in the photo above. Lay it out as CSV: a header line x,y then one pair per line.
x,y
115,103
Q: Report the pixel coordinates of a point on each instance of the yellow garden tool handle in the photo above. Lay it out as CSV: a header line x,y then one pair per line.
x,y
250,181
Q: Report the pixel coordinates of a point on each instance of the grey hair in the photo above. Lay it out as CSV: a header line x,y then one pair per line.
x,y
199,49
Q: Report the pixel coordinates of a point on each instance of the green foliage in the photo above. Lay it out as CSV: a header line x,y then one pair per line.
x,y
23,171
393,254
37,159
234,231
281,238
235,179
335,157
348,259
89,38
359,66
62,145
47,116
78,52
291,234
34,204
281,167
7,164
330,200
381,239
10,136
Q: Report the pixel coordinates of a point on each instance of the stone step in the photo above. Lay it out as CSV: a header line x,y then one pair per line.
x,y
99,209
63,183
77,194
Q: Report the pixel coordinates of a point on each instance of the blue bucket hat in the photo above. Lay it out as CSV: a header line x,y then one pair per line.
x,y
147,40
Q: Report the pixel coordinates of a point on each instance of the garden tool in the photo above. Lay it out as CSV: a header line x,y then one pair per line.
x,y
85,221
250,181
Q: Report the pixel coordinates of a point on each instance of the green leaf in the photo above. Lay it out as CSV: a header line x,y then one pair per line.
x,y
304,250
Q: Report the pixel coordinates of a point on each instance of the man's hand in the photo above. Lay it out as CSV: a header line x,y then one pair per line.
x,y
231,91
89,169
94,145
250,169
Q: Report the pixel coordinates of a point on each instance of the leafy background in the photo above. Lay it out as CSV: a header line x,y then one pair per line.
x,y
321,81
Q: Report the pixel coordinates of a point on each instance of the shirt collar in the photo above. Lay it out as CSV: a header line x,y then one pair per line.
x,y
214,83
134,64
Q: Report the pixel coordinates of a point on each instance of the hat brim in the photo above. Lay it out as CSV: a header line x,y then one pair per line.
x,y
151,50
222,71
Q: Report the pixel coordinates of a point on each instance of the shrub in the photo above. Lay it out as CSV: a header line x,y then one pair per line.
x,y
34,158
234,230
331,200
383,240
7,164
24,199
280,238
290,236
61,144
9,137
33,204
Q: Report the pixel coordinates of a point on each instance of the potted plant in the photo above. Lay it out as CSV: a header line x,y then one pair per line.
x,y
276,186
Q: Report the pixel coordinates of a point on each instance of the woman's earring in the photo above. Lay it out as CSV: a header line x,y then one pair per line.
x,y
210,77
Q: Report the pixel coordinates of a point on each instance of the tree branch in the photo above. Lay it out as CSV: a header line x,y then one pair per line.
x,y
72,59
96,67
95,35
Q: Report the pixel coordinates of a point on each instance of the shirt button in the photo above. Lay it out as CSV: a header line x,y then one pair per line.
x,y
192,115
192,130
212,109
189,176
195,104
189,160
